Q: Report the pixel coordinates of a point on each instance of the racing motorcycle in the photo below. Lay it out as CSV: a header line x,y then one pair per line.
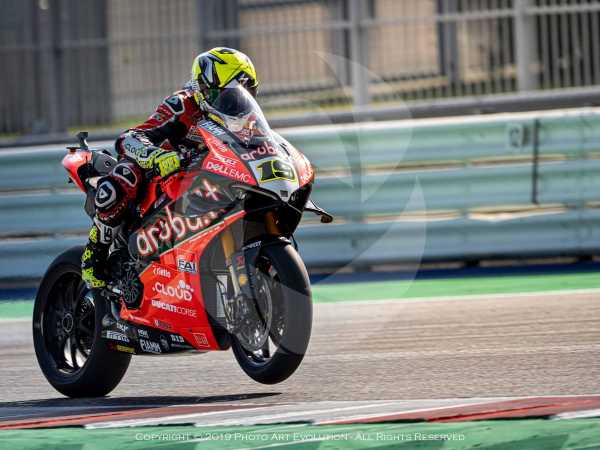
x,y
208,263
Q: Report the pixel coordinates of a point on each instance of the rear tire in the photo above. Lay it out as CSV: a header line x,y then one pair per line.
x,y
295,297
67,326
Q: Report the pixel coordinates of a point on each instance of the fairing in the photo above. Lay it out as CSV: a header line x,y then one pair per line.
x,y
73,161
173,298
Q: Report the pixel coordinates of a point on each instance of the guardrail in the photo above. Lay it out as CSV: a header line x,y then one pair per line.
x,y
510,185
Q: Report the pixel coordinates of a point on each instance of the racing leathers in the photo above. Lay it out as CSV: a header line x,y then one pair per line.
x,y
150,149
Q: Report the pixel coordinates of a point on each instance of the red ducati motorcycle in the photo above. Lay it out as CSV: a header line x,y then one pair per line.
x,y
208,263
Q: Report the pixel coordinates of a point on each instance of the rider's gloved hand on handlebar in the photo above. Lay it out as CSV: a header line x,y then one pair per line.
x,y
166,164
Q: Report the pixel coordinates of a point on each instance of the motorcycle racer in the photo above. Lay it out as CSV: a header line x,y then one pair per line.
x,y
154,149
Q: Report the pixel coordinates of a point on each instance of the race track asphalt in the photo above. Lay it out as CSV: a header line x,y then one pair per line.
x,y
511,345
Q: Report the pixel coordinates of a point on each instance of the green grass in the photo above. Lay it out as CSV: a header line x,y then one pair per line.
x,y
454,287
399,290
16,309
483,435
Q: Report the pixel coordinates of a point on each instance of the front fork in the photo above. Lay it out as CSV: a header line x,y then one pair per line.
x,y
241,267
236,263
228,243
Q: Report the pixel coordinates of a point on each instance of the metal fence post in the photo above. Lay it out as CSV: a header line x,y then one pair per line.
x,y
202,12
448,53
340,41
48,25
218,15
359,53
526,46
50,111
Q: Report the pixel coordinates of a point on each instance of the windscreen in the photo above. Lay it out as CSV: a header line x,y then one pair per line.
x,y
240,114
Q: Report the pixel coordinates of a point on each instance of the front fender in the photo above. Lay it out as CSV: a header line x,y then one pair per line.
x,y
251,252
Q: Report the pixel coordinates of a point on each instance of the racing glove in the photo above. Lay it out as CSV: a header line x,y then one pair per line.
x,y
159,161
166,163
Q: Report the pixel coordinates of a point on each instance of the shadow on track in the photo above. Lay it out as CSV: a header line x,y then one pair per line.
x,y
65,406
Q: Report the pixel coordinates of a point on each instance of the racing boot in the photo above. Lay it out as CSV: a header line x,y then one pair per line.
x,y
93,261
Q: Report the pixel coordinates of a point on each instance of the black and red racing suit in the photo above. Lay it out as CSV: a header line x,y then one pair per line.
x,y
146,150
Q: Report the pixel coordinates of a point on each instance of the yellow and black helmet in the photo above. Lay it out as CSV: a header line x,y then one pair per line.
x,y
220,68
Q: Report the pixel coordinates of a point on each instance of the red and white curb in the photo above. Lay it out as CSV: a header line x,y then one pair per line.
x,y
318,413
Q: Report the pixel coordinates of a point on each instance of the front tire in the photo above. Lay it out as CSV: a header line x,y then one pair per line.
x,y
291,311
67,326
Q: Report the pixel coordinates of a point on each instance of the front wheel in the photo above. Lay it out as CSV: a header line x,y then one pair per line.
x,y
67,326
271,343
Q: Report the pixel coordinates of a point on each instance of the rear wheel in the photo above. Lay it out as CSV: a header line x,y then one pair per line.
x,y
272,340
66,333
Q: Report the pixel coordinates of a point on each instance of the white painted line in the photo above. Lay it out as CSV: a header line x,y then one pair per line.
x,y
164,419
296,414
578,414
410,411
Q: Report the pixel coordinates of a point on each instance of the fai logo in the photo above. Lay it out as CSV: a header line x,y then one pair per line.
x,y
186,266
186,262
